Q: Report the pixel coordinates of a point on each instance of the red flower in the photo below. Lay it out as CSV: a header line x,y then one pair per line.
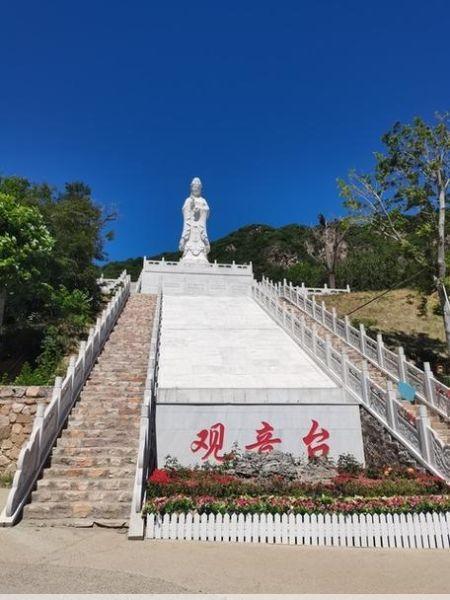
x,y
159,476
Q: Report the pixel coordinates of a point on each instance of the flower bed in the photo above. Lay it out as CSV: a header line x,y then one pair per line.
x,y
216,491
295,505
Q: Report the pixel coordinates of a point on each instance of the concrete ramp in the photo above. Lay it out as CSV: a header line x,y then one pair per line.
x,y
225,349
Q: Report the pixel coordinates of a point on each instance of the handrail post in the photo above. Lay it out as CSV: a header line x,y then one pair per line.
x,y
424,435
334,317
362,338
401,364
347,328
314,338
328,350
428,383
56,395
324,310
313,300
380,349
344,360
391,412
302,330
38,423
365,382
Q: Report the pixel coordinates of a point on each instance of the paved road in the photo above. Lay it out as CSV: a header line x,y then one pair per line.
x,y
65,560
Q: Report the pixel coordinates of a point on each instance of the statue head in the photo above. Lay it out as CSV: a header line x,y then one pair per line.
x,y
196,187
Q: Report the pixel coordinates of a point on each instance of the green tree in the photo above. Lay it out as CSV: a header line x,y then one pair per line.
x,y
405,197
25,245
328,245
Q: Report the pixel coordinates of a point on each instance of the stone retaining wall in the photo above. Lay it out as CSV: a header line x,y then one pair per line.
x,y
381,449
18,406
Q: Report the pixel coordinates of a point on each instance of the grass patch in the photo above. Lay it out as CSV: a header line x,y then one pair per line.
x,y
405,317
6,480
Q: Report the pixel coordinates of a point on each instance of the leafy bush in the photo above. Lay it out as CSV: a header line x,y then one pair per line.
x,y
72,312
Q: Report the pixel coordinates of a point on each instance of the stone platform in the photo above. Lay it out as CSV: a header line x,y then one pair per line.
x,y
206,279
229,350
227,372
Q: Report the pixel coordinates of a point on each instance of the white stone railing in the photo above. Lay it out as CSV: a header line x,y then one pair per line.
x,y
414,433
422,530
146,450
50,420
215,267
323,291
428,390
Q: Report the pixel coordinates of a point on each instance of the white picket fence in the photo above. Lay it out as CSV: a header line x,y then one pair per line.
x,y
50,420
428,390
423,530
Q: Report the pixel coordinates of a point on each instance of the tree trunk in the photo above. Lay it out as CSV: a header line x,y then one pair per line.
x,y
441,266
331,280
2,307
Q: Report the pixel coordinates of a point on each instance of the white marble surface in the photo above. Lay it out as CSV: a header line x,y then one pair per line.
x,y
178,426
220,343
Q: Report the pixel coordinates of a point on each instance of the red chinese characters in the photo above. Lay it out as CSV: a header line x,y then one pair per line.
x,y
264,439
314,440
211,440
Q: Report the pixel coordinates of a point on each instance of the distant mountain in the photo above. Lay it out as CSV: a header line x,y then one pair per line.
x,y
271,250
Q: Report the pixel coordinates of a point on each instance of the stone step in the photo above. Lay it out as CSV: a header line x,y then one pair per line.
x,y
119,424
87,472
81,509
93,496
125,451
84,484
96,411
92,468
93,461
85,440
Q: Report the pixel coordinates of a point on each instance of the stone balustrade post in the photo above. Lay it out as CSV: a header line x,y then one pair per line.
x,y
56,396
82,355
347,328
314,338
362,338
302,330
328,350
401,364
428,383
71,372
380,350
391,410
313,306
38,423
324,309
365,386
347,288
334,318
423,426
344,375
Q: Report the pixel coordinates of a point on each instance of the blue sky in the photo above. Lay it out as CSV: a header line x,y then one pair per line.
x,y
268,102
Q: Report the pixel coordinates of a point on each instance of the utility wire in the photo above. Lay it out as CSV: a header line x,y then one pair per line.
x,y
387,291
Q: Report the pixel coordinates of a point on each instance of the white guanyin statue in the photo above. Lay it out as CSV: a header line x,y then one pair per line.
x,y
194,243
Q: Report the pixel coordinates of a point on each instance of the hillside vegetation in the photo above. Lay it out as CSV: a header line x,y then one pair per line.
x,y
371,262
405,317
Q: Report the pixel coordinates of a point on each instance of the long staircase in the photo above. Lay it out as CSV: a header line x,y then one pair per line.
x,y
90,476
377,375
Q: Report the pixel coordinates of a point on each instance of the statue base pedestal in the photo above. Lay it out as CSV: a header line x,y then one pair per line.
x,y
185,278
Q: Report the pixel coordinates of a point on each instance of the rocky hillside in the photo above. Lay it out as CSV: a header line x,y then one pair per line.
x,y
272,251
